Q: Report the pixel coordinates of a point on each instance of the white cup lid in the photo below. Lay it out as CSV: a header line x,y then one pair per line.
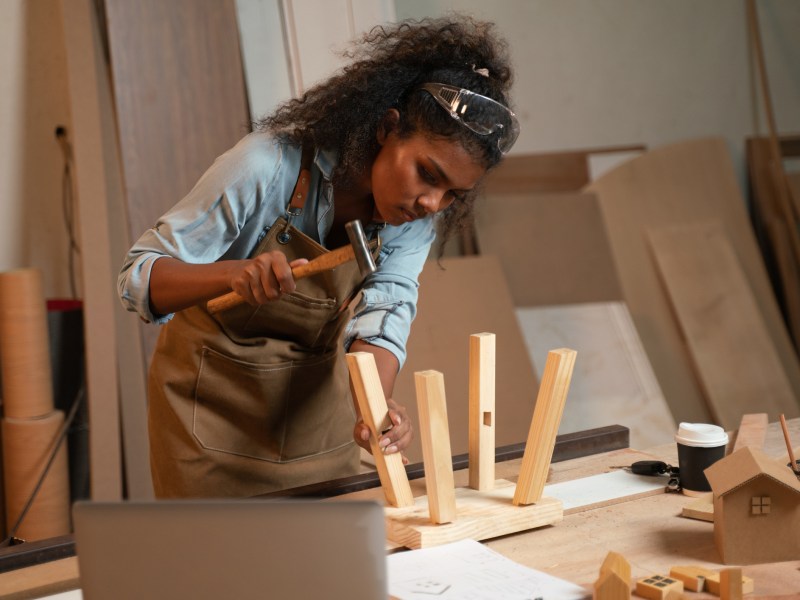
x,y
701,435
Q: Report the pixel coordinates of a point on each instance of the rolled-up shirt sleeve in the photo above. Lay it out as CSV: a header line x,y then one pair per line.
x,y
388,302
204,225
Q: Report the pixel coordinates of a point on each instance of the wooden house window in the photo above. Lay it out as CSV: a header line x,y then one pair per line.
x,y
760,505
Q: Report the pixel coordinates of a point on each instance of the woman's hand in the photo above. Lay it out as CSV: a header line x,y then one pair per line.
x,y
396,439
265,277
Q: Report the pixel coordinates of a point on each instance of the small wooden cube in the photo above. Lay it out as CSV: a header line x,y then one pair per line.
x,y
693,577
658,587
713,584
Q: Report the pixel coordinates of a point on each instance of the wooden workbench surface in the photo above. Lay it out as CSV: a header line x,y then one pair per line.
x,y
649,532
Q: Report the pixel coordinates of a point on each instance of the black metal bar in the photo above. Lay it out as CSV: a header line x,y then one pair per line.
x,y
27,554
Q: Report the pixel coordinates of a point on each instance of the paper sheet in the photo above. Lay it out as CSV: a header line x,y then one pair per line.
x,y
468,570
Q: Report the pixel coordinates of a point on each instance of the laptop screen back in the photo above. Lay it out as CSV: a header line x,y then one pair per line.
x,y
232,549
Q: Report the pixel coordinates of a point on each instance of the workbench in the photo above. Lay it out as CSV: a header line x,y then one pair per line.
x,y
648,531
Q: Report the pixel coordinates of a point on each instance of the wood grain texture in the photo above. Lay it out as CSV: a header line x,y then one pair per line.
x,y
728,340
435,435
687,182
544,426
482,356
752,431
368,392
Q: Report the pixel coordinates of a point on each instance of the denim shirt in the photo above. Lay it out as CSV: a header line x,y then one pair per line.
x,y
234,204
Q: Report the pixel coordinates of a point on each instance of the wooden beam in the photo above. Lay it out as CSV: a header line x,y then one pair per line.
x,y
752,431
481,410
435,434
544,426
368,392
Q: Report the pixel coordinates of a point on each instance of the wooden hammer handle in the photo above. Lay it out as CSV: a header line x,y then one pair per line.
x,y
324,262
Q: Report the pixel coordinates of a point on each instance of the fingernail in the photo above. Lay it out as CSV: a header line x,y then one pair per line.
x,y
385,442
390,450
399,420
365,435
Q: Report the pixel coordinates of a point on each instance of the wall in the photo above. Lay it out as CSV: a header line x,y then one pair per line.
x,y
589,73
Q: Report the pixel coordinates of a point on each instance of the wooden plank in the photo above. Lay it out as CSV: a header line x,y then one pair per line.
x,y
482,354
521,229
687,182
367,390
544,426
752,431
435,435
481,515
725,332
454,304
87,84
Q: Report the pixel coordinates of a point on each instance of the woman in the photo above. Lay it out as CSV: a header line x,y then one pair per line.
x,y
256,398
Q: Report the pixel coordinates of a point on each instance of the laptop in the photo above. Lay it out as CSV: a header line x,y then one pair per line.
x,y
231,549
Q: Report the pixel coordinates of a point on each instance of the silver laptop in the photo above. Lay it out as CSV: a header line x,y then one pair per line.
x,y
231,550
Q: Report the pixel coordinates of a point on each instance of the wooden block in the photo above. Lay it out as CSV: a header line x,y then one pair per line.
x,y
435,435
693,577
722,323
367,389
752,431
481,410
701,508
614,582
730,584
658,587
480,515
714,583
544,426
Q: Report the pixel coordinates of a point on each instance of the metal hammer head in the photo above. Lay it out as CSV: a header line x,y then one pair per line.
x,y
355,233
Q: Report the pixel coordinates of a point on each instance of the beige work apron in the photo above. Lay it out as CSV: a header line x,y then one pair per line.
x,y
256,399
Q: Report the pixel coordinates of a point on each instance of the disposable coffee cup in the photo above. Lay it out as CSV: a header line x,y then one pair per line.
x,y
700,445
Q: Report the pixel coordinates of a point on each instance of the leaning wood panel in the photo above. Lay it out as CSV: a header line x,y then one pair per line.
x,y
86,88
180,99
554,248
682,183
734,356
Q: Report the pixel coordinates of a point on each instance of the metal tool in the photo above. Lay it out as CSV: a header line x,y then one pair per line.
x,y
357,249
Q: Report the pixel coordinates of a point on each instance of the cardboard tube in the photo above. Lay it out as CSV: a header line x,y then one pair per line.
x,y
24,345
27,444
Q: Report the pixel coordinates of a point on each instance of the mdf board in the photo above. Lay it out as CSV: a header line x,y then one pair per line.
x,y
553,247
731,350
462,297
682,183
180,99
613,381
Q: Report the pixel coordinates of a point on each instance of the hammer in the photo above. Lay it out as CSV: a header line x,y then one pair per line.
x,y
357,249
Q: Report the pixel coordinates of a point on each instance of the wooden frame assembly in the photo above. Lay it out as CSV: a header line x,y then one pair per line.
x,y
447,514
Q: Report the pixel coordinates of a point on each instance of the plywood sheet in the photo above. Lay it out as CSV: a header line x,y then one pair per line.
x,y
553,247
727,338
613,382
461,297
682,183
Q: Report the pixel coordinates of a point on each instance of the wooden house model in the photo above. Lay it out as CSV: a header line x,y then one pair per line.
x,y
756,508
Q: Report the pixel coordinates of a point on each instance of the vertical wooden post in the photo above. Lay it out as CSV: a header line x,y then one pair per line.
x,y
367,389
436,453
481,411
544,426
730,584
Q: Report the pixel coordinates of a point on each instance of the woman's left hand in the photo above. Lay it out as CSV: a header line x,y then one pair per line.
x,y
396,439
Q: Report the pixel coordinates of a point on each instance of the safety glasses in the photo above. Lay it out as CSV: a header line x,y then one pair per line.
x,y
480,114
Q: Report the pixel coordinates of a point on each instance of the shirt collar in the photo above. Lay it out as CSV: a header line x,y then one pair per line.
x,y
326,161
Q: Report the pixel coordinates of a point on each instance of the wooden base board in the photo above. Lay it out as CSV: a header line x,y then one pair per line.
x,y
479,516
702,508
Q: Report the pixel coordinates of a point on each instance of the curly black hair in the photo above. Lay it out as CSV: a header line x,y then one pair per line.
x,y
387,66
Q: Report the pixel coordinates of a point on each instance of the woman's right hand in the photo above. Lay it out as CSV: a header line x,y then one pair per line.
x,y
265,277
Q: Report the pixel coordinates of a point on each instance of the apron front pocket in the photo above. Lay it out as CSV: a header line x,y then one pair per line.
x,y
270,412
